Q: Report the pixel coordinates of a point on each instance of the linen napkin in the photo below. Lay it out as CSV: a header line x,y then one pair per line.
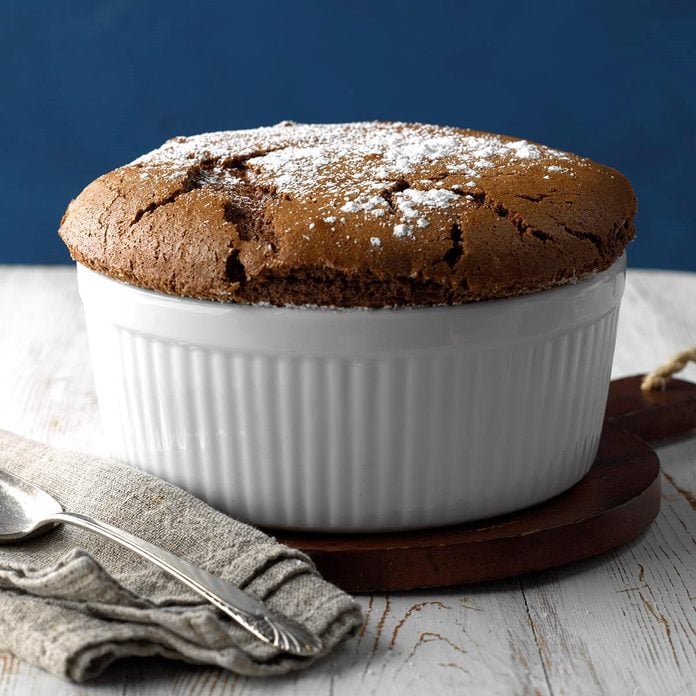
x,y
72,602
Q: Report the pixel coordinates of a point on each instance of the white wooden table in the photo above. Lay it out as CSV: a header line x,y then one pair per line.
x,y
623,623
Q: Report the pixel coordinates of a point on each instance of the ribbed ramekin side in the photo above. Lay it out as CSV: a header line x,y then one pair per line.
x,y
387,441
545,420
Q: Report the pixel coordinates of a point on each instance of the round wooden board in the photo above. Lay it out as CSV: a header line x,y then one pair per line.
x,y
617,500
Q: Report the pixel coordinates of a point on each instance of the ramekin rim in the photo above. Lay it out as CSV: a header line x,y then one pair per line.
x,y
571,287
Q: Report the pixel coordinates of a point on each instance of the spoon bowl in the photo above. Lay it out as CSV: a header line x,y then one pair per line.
x,y
24,508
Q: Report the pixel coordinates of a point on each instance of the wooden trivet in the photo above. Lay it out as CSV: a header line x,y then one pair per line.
x,y
618,499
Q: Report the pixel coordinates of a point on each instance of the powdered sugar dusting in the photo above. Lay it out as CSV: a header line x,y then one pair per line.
x,y
402,230
350,207
376,205
411,200
524,150
353,167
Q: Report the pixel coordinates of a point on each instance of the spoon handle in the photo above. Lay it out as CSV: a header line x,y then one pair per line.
x,y
248,612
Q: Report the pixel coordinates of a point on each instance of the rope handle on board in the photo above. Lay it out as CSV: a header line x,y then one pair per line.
x,y
657,379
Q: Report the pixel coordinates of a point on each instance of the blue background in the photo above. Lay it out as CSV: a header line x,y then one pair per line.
x,y
87,86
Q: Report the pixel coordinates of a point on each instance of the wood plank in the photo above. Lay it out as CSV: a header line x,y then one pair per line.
x,y
626,624
411,644
45,378
657,319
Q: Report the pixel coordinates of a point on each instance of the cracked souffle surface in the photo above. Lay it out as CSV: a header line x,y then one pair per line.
x,y
351,215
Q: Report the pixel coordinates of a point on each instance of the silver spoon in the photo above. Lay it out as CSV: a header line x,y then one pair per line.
x,y
26,510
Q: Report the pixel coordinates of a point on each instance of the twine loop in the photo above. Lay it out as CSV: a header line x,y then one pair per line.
x,y
657,379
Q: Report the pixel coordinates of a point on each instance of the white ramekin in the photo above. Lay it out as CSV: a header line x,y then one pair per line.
x,y
355,419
